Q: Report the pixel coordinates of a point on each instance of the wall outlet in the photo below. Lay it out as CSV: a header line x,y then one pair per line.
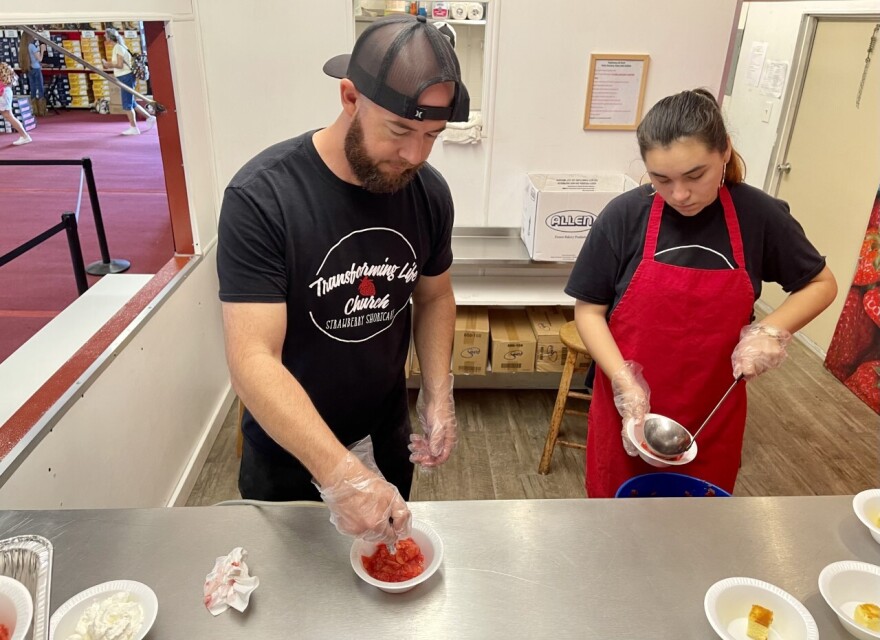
x,y
765,113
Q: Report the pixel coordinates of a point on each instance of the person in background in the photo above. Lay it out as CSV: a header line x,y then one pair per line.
x,y
8,79
120,63
30,58
665,286
324,240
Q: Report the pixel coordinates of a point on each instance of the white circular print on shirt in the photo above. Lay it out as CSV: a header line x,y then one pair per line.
x,y
364,281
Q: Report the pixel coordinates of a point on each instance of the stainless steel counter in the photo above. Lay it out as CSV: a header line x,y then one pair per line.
x,y
512,569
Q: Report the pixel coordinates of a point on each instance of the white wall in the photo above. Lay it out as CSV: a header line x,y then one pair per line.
x,y
249,74
777,24
544,57
130,439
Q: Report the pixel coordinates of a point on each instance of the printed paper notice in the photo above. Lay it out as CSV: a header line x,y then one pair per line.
x,y
756,63
615,94
773,78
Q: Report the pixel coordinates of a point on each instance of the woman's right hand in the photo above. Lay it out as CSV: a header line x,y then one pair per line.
x,y
632,397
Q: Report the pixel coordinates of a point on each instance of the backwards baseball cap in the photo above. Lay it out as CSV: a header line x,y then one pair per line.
x,y
395,59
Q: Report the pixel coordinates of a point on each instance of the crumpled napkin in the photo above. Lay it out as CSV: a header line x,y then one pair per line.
x,y
229,584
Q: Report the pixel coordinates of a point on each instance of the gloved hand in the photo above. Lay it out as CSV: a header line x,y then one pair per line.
x,y
632,397
436,410
761,348
362,503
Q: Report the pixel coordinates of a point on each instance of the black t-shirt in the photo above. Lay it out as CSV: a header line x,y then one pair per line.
x,y
345,261
774,244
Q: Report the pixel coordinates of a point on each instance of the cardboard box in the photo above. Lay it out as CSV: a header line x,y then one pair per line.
x,y
582,360
513,341
546,322
559,211
470,344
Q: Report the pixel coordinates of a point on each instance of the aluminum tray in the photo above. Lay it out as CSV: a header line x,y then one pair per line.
x,y
28,559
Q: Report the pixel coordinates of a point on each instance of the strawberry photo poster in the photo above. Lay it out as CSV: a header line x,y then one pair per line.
x,y
854,353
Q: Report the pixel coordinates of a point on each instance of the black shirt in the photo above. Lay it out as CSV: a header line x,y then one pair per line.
x,y
774,244
345,262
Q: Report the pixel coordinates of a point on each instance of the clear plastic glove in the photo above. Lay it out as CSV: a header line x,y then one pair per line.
x,y
436,411
761,348
362,503
632,397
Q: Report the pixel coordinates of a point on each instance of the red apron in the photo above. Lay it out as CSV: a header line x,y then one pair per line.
x,y
681,324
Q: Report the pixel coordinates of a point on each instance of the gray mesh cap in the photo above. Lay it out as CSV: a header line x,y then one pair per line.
x,y
395,59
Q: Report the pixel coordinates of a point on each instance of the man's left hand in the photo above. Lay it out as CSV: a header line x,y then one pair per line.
x,y
436,410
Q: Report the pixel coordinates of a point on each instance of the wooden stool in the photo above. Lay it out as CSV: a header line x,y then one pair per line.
x,y
239,436
570,338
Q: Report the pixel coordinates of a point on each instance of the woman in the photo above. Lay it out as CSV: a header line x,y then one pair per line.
x,y
7,80
665,287
120,62
30,58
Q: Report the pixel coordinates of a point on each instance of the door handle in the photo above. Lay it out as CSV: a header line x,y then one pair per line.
x,y
785,167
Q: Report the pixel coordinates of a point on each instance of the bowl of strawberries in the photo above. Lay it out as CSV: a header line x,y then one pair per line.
x,y
415,560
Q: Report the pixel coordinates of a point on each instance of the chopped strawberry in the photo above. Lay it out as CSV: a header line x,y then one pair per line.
x,y
865,383
855,337
406,563
868,267
874,220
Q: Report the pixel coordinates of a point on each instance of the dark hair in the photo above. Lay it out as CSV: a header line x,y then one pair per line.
x,y
689,114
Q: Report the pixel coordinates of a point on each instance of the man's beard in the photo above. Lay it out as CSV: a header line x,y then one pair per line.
x,y
368,173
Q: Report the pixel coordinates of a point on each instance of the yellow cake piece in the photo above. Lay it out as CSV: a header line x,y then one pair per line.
x,y
868,615
759,622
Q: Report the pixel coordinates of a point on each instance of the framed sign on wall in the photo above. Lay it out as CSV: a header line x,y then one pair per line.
x,y
615,91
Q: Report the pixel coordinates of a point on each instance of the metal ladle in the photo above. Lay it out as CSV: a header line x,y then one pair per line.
x,y
668,439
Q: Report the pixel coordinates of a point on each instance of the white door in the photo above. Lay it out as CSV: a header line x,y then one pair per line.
x,y
834,157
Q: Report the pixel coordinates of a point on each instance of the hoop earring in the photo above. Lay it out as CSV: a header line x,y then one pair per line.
x,y
723,175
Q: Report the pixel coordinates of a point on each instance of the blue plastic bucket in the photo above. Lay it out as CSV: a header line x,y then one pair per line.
x,y
668,485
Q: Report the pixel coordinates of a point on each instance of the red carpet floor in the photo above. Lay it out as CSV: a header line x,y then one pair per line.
x,y
35,287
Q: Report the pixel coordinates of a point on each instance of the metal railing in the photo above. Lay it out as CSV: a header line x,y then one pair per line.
x,y
106,264
68,224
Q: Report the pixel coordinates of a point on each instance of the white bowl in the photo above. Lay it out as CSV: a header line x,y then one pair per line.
x,y
636,435
16,607
867,507
844,585
728,602
430,544
63,621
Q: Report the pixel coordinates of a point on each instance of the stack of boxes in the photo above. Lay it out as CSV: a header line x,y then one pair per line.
x,y
504,340
92,47
9,47
133,42
100,87
470,345
53,59
75,47
513,341
79,90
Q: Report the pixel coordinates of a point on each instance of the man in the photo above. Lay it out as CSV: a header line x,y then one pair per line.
x,y
323,241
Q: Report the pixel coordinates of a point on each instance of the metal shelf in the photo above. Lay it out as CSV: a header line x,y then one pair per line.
x,y
476,23
494,246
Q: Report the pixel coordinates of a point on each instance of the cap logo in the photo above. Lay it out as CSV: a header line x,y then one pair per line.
x,y
419,115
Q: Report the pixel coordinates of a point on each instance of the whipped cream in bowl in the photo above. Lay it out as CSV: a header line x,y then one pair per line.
x,y
116,610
